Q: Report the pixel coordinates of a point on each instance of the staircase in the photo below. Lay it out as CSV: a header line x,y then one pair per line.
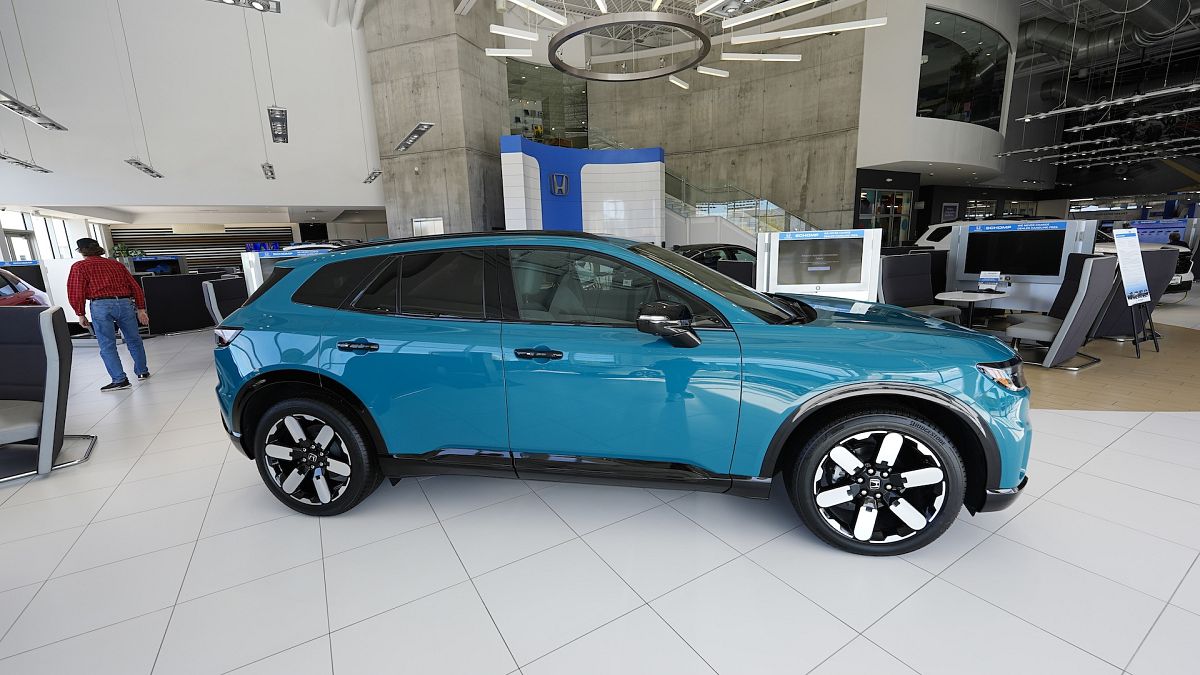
x,y
742,210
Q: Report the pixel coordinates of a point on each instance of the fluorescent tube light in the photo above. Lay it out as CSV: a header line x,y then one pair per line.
x,y
1058,146
542,11
414,136
715,72
1133,98
656,5
741,56
810,30
268,170
29,112
678,82
496,51
375,173
464,6
708,5
765,12
143,167
1134,118
277,117
16,161
515,33
602,5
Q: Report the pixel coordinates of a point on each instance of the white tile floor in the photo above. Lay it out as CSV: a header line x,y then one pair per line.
x,y
1179,309
165,554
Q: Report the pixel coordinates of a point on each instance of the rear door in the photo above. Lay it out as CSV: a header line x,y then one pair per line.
x,y
420,345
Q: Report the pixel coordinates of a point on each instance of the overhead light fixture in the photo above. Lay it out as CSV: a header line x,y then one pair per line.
x,y
464,6
765,12
1133,98
375,173
515,33
258,5
656,5
548,14
742,56
277,117
678,82
414,136
29,112
1059,146
809,31
602,5
498,51
1135,118
143,167
708,5
268,170
715,72
16,161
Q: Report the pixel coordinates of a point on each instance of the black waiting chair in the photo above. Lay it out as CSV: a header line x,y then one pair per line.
x,y
906,280
1060,339
34,384
1117,319
222,296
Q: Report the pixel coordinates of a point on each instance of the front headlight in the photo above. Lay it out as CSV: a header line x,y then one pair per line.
x,y
1008,374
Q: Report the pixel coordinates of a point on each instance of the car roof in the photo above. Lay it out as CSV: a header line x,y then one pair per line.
x,y
486,235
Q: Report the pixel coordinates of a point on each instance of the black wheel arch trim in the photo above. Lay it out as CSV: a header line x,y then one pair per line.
x,y
328,386
804,412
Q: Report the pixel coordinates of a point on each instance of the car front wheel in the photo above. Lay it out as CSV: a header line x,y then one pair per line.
x,y
879,482
314,458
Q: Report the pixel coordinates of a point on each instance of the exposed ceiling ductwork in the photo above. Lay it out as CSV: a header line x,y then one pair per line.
x,y
1145,22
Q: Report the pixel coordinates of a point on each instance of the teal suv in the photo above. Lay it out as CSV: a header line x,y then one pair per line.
x,y
573,357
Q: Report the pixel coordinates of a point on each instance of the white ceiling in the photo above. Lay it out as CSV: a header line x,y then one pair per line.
x,y
202,120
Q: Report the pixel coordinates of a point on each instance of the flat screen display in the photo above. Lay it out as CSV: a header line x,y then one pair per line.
x,y
820,261
156,265
1035,253
1159,235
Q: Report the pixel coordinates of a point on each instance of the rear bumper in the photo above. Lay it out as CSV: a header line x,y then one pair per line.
x,y
998,500
235,437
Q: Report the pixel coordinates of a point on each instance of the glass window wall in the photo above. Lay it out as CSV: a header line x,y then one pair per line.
x,y
964,65
546,105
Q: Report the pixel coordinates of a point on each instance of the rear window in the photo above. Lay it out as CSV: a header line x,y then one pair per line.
x,y
329,286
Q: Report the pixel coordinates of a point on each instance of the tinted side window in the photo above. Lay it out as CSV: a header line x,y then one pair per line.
x,y
938,233
442,283
383,293
329,286
739,254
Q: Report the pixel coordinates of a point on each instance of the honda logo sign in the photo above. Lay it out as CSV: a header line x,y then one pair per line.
x,y
559,183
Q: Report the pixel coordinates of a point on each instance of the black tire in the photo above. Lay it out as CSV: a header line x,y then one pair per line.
x,y
814,471
348,446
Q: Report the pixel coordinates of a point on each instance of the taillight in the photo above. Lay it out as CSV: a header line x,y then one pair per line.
x,y
225,334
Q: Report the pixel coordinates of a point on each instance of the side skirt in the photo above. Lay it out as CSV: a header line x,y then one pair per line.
x,y
571,469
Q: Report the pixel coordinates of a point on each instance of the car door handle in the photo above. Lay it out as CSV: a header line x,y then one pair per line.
x,y
552,354
355,346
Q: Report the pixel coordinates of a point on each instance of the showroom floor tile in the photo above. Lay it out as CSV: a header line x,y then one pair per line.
x,y
164,554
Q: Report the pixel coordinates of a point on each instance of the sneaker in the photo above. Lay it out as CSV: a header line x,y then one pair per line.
x,y
116,386
144,376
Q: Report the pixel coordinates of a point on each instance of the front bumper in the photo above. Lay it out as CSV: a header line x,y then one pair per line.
x,y
998,500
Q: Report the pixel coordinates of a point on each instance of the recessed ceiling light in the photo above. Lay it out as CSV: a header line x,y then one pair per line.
x,y
260,5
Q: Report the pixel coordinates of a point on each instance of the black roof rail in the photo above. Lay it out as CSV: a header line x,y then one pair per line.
x,y
479,235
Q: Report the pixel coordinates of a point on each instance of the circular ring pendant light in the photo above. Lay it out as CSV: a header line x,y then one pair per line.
x,y
678,21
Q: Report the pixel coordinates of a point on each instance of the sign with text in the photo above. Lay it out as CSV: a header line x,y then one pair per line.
x,y
823,234
1019,227
1133,273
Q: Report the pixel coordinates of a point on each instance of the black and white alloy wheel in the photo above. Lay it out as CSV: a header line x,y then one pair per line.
x,y
880,483
307,459
314,458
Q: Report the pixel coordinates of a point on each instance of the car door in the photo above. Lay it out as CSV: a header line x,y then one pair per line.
x,y
418,346
589,393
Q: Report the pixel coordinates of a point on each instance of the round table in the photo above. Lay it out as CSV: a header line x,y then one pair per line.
x,y
969,297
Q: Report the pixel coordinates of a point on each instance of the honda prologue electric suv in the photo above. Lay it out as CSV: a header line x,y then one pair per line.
x,y
574,357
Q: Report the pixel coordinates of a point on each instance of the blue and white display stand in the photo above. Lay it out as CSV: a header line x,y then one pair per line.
x,y
834,263
257,265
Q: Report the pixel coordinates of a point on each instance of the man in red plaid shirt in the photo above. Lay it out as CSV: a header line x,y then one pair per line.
x,y
116,301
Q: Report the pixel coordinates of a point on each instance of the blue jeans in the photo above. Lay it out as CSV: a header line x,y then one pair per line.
x,y
122,313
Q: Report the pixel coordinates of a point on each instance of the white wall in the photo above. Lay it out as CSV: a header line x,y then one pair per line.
x,y
360,231
624,200
522,191
891,136
198,99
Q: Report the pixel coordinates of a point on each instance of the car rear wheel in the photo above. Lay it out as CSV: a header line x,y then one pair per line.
x,y
879,482
314,458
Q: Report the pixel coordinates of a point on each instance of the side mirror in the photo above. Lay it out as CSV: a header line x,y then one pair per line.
x,y
670,321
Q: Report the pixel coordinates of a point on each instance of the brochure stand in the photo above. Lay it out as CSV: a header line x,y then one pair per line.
x,y
1137,290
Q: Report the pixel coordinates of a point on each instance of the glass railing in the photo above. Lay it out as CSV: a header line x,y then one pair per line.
x,y
745,210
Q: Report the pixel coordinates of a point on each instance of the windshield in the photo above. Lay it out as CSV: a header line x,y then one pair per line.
x,y
747,298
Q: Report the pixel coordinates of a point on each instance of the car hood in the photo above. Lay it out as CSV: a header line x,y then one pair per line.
x,y
880,318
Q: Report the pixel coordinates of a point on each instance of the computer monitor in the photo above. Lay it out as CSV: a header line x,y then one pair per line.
x,y
1023,251
836,263
1159,231
159,264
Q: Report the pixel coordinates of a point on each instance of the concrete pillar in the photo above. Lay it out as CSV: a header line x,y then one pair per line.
x,y
428,65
